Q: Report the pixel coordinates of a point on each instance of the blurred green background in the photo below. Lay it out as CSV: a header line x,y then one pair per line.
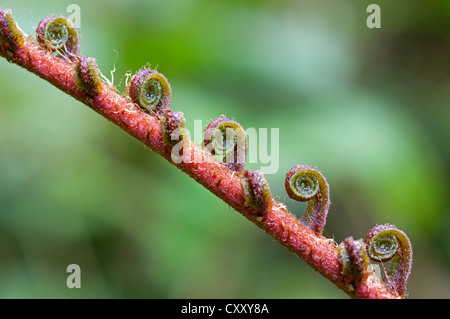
x,y
369,107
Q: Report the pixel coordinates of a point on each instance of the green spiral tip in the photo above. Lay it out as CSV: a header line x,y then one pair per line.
x,y
387,243
59,35
305,183
150,90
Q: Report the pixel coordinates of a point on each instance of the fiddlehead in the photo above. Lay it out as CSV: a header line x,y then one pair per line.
x,y
173,125
9,32
226,138
305,183
87,76
385,243
353,257
58,34
256,191
150,90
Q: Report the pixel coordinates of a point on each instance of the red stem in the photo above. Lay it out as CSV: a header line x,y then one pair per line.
x,y
317,251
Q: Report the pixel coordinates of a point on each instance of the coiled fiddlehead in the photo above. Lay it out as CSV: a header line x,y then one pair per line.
x,y
150,90
87,76
226,138
58,34
305,183
9,32
353,257
385,243
256,191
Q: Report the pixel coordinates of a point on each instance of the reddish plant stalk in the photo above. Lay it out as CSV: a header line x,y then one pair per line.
x,y
316,250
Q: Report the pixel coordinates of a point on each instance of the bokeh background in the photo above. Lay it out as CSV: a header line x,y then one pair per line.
x,y
369,107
